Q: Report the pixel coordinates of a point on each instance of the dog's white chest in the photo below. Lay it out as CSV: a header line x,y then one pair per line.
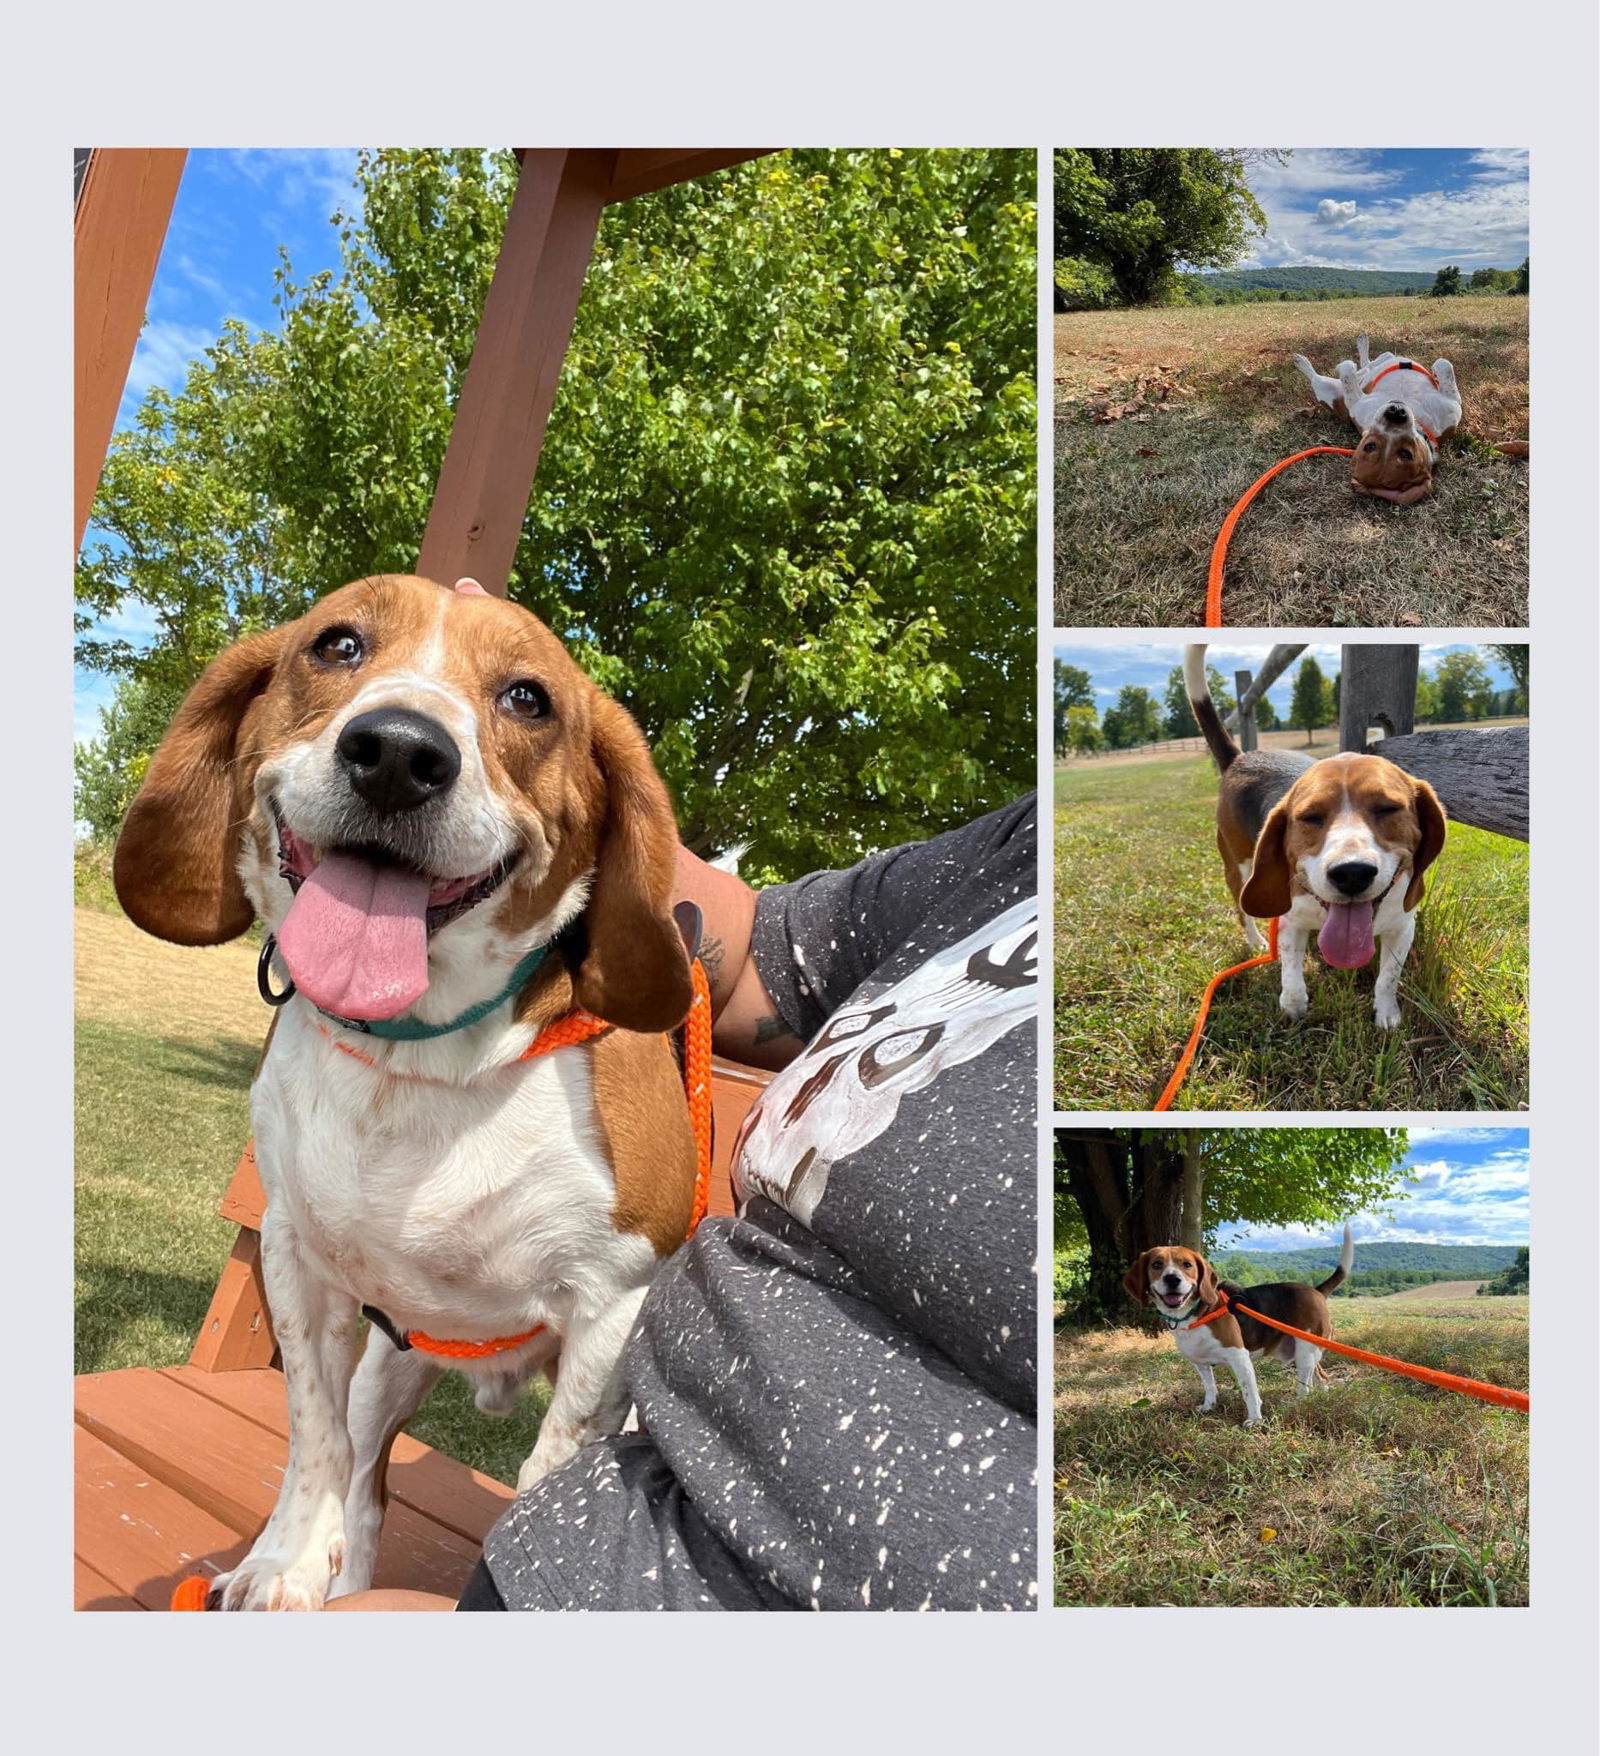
x,y
487,1205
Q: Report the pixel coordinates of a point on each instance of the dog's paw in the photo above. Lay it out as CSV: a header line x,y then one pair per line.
x,y
556,1444
1259,1421
1386,1013
1304,365
271,1582
1204,1408
1294,1006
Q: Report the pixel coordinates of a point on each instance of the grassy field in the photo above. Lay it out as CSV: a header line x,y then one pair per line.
x,y
167,1041
1212,400
1144,920
1376,1490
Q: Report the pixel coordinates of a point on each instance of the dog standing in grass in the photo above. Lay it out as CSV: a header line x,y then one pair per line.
x,y
1320,847
1211,1330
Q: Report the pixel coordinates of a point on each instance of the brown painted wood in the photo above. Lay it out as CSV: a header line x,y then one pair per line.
x,y
436,1486
231,1468
245,1201
642,170
487,477
141,1535
119,223
93,1591
734,1091
236,1334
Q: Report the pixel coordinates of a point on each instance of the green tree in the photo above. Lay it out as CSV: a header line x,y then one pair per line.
x,y
1446,284
1463,686
1426,710
1515,660
1180,720
1119,1191
1084,736
1513,1279
1073,687
1266,715
1136,719
1136,212
1522,278
795,423
1311,704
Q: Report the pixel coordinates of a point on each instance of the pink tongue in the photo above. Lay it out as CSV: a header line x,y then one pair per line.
x,y
356,938
1346,936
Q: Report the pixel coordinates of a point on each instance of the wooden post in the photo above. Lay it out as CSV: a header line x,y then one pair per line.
x,y
489,464
1247,710
124,202
1377,687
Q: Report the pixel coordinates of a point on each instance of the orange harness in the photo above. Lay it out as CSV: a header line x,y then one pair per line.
x,y
580,1027
1403,366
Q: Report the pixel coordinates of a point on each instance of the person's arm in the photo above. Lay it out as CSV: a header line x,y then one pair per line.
x,y
746,1024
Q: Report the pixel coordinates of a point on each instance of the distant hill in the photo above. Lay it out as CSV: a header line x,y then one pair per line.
x,y
1311,280
1463,1261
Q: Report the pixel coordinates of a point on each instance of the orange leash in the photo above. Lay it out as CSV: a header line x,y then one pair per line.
x,y
1219,550
1187,1057
1425,1374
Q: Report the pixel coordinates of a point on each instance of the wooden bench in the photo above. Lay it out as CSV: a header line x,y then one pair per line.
x,y
177,1470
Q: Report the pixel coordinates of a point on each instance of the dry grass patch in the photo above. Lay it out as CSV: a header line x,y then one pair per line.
x,y
1376,1491
1204,400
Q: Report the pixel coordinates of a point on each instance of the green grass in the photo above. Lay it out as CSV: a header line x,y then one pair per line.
x,y
160,1124
1139,499
1144,920
1375,1491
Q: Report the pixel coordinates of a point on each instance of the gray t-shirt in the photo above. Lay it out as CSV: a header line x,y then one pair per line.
x,y
838,1386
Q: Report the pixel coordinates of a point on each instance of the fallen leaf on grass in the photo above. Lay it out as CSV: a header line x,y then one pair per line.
x,y
1145,451
1268,1534
1411,620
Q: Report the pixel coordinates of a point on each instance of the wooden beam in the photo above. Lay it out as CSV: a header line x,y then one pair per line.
x,y
489,464
641,171
1377,687
1481,777
123,205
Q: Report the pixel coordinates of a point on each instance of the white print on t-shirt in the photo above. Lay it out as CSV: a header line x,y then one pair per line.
x,y
846,1086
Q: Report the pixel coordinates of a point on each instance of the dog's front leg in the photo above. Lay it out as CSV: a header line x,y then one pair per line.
x,y
590,1398
1244,1373
1292,996
1326,390
1208,1383
1393,949
1306,1359
388,1390
297,1555
1363,357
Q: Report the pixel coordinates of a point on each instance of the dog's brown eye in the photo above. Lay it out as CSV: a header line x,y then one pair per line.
x,y
1405,456
1371,445
525,699
1386,810
1315,818
338,646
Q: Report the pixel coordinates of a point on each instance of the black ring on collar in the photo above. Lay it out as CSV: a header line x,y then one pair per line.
x,y
264,976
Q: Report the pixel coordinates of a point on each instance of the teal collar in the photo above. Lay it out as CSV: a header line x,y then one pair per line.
x,y
413,1030
1178,1321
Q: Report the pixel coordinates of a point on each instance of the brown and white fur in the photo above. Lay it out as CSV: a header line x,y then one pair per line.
x,y
461,1193
1179,1285
1394,456
1302,840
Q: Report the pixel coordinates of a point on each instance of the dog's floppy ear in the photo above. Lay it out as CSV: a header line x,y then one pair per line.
x,y
1206,1285
176,862
1137,1281
634,972
1266,894
1430,815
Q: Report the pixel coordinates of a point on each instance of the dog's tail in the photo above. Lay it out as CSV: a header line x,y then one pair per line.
x,y
1347,1258
1222,747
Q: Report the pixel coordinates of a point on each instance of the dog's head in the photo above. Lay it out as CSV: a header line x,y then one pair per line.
x,y
1393,459
1345,832
1171,1278
412,787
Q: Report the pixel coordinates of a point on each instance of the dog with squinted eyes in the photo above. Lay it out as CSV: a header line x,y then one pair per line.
x,y
1210,1320
1335,849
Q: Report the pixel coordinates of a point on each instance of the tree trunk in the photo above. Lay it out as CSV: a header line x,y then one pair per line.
x,y
1156,1209
1097,1179
1191,1231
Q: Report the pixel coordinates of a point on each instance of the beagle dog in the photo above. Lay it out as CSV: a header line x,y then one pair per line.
x,y
1404,412
463,855
1335,848
1210,1319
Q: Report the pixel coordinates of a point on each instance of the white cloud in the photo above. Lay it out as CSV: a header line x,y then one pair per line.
x,y
1497,163
163,356
1335,213
1314,169
319,178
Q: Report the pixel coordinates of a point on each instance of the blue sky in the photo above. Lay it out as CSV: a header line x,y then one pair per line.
x,y
1112,666
234,209
1411,208
1471,1188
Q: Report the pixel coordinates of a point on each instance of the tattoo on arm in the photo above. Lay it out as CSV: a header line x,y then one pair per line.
x,y
770,1028
712,955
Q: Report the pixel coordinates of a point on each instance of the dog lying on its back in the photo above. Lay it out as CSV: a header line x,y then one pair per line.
x,y
1404,411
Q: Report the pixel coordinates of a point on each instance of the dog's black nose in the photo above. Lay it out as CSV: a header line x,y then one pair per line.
x,y
396,759
1170,1279
1353,876
1395,414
